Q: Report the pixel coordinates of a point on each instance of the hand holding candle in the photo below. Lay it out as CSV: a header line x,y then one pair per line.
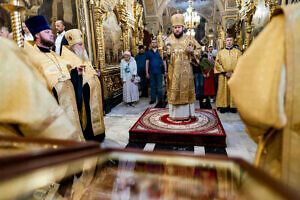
x,y
81,70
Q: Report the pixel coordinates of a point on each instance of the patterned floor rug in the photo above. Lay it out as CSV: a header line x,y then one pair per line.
x,y
155,126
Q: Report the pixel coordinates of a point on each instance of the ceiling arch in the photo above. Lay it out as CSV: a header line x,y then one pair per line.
x,y
164,4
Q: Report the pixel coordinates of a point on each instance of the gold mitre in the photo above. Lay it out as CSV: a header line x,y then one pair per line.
x,y
177,20
73,36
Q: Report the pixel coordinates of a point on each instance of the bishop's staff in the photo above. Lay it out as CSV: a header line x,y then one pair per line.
x,y
15,9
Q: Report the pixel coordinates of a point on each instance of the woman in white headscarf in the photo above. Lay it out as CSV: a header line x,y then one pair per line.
x,y
128,78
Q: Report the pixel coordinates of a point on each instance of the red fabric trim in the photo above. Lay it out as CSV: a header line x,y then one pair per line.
x,y
218,126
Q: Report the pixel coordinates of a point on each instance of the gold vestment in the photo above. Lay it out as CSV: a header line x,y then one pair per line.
x,y
181,88
27,108
225,62
55,70
266,89
91,80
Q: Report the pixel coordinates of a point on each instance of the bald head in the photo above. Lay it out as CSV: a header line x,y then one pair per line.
x,y
59,26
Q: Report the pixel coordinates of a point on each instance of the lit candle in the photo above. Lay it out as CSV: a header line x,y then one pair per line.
x,y
83,49
83,30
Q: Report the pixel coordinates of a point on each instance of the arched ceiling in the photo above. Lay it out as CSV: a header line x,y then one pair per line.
x,y
203,8
214,11
198,5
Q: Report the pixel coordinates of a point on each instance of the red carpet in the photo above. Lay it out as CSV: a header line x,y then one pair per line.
x,y
154,126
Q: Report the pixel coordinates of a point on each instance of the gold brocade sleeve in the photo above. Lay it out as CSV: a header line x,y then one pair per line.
x,y
197,50
257,84
26,102
68,55
48,62
218,65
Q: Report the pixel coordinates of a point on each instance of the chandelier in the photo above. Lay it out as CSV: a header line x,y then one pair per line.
x,y
191,19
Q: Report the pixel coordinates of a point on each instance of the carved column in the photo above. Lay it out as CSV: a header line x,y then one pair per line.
x,y
125,28
125,35
248,11
83,19
54,14
140,25
221,36
238,31
141,36
239,38
99,35
135,33
93,33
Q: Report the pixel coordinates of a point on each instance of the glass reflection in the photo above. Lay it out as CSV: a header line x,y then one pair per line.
x,y
122,175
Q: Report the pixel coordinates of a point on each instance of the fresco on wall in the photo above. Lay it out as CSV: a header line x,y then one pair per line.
x,y
112,33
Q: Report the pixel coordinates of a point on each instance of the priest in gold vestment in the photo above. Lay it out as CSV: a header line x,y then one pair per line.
x,y
224,66
90,104
266,89
27,107
53,67
181,49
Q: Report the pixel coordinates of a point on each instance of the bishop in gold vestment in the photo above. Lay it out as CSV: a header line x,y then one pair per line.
x,y
266,89
27,107
90,108
181,90
224,66
53,67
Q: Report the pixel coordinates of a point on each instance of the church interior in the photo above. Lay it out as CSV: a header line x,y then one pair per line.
x,y
149,99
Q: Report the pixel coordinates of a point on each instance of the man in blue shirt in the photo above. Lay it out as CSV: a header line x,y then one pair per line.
x,y
155,67
140,59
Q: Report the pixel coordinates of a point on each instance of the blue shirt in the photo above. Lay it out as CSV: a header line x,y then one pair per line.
x,y
141,63
155,62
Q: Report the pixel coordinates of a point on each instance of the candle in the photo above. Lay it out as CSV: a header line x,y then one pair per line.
x,y
83,50
83,30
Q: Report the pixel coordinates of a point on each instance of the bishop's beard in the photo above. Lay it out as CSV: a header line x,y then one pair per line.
x,y
178,35
78,52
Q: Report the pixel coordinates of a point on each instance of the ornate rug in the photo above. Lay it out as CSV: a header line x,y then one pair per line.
x,y
155,126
